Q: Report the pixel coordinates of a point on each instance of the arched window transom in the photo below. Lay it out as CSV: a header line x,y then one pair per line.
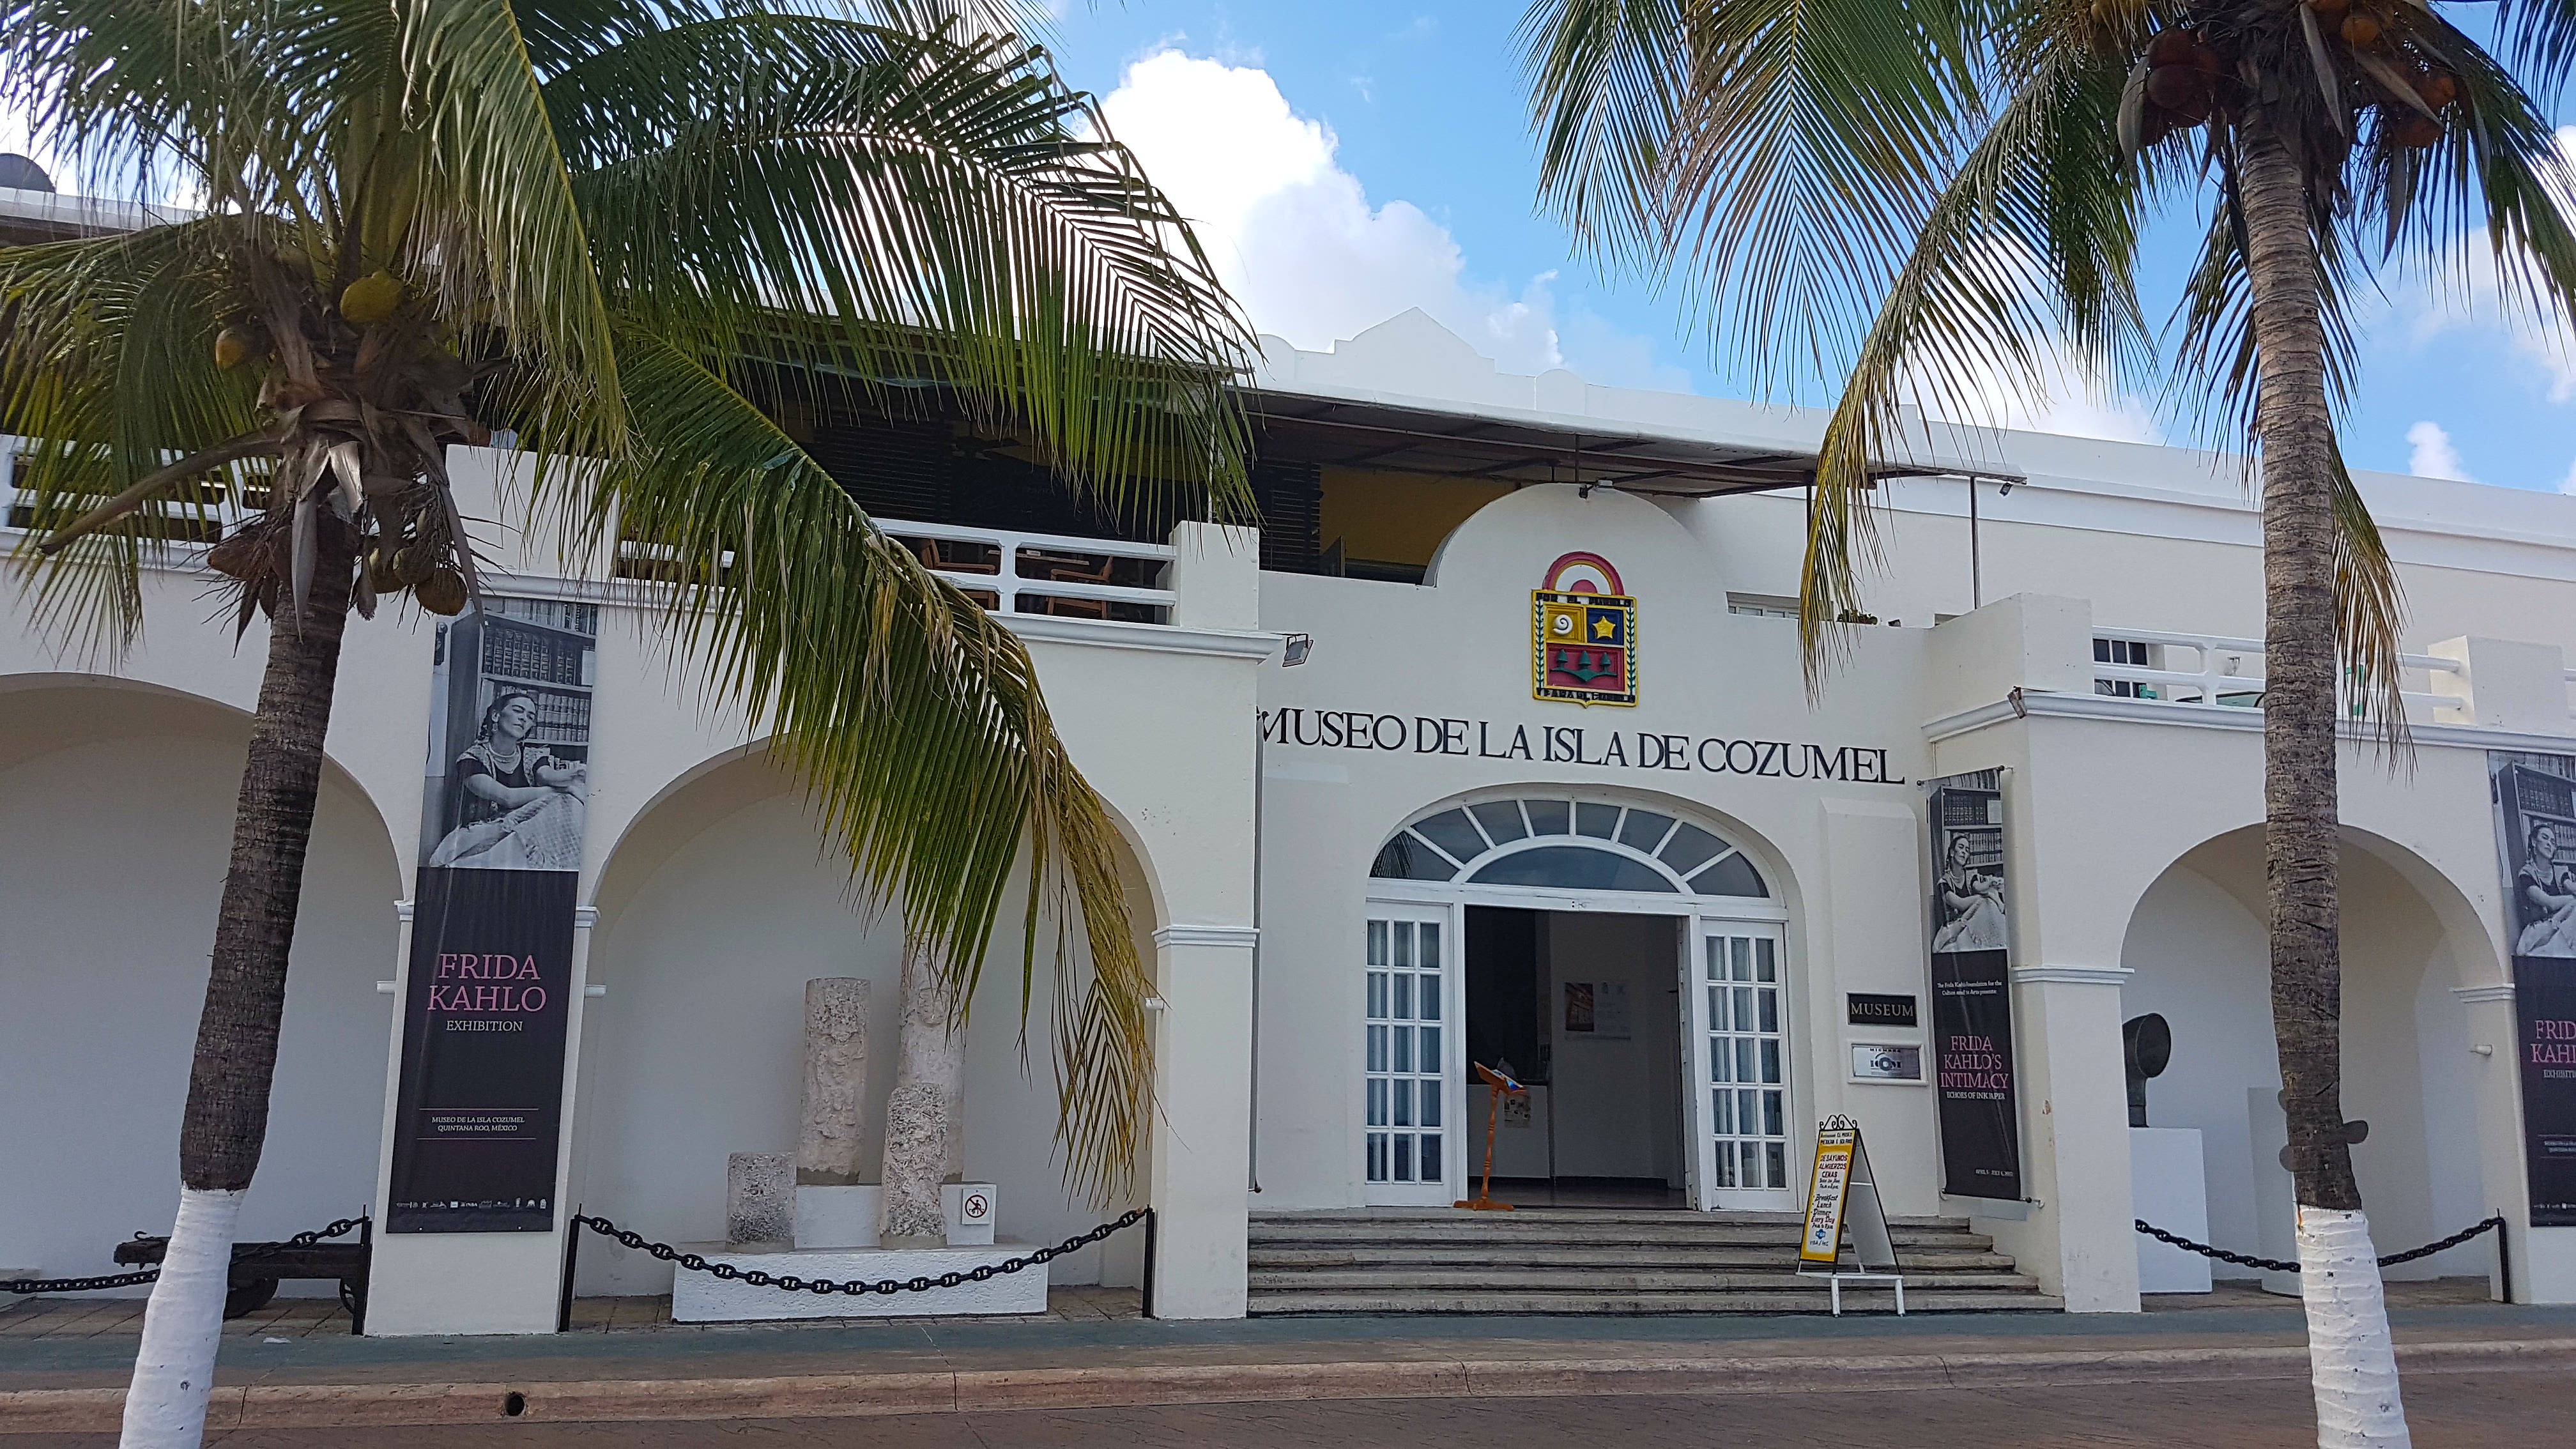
x,y
1568,845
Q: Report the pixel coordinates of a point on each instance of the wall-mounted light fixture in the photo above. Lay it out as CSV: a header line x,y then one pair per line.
x,y
1295,651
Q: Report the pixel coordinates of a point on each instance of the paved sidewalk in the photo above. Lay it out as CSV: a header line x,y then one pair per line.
x,y
1088,1352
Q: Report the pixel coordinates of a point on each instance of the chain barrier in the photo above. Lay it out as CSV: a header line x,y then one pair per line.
x,y
981,1272
2275,1265
338,1228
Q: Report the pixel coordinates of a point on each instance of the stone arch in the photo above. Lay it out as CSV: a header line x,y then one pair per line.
x,y
2195,941
130,789
718,901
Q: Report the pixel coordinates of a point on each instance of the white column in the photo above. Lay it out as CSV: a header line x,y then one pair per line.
x,y
2078,1238
1203,1103
474,1283
2544,1259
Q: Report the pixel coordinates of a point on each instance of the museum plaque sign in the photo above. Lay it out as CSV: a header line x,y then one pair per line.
x,y
1972,1030
488,993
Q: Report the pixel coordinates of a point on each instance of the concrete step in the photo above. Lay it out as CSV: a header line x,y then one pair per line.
x,y
1591,1280
1359,1237
1856,1298
1600,1255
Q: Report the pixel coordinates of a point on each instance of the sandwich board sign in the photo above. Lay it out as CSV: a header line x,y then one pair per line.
x,y
1843,1192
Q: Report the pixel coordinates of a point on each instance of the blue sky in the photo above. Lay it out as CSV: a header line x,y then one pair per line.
x,y
1349,159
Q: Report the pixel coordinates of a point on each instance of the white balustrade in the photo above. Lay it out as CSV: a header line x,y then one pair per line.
x,y
1036,566
2213,671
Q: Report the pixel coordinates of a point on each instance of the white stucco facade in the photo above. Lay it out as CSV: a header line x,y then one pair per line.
x,y
1254,799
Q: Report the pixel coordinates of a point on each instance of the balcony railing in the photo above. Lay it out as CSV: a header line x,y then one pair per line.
x,y
2213,671
1010,572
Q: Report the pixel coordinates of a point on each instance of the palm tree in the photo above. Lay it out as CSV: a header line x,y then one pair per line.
x,y
608,226
1940,192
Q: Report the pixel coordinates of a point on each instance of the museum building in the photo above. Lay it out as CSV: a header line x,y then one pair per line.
x,y
1491,746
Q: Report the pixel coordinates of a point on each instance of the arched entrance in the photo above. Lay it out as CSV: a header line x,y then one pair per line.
x,y
1628,963
2410,940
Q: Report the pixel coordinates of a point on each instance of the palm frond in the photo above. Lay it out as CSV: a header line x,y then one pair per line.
x,y
912,716
913,187
1607,84
2370,615
1790,149
109,375
2034,239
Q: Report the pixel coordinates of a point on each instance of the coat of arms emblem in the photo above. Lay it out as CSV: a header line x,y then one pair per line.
x,y
1583,634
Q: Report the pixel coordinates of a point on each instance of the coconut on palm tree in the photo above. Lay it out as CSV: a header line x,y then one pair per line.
x,y
1935,193
607,227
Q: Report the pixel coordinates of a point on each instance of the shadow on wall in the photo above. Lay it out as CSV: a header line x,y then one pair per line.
x,y
2197,944
718,906
118,806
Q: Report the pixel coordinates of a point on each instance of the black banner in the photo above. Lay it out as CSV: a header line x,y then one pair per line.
x,y
478,1111
476,1120
1972,1031
2535,811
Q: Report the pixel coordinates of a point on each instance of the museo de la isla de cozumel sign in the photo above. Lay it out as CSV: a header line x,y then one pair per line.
x,y
1583,650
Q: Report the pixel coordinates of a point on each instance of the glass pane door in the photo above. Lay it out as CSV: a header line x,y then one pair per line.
x,y
1411,1012
1740,1069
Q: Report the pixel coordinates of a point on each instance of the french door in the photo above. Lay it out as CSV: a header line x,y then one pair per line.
x,y
1737,1061
1414,1032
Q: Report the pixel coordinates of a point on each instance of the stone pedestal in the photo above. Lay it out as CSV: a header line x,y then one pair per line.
x,y
2169,1186
704,1298
760,1202
838,1217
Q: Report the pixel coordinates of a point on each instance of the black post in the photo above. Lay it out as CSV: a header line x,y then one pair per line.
x,y
2504,1255
366,1270
1148,1291
572,1256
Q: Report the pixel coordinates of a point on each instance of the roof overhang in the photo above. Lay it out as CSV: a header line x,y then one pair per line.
x,y
1513,446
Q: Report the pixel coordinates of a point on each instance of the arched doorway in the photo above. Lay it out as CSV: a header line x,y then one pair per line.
x,y
1635,961
2196,944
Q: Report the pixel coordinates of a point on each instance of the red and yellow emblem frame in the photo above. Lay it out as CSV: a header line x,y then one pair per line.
x,y
1583,634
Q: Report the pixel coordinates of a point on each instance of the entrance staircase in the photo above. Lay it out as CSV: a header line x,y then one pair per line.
x,y
1576,1260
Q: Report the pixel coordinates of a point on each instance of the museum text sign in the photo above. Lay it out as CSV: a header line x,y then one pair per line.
x,y
1361,729
1972,1027
2535,814
488,990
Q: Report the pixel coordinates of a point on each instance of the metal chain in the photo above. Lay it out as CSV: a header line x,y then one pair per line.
x,y
2275,1265
147,1275
981,1272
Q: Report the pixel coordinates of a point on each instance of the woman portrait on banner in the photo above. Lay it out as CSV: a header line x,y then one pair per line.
x,y
516,807
2544,895
1972,901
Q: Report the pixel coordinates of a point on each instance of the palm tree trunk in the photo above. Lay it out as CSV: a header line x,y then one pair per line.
x,y
922,1126
2354,1365
227,1114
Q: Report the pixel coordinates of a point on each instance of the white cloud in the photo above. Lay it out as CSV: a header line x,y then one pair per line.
x,y
2458,290
1295,238
2434,457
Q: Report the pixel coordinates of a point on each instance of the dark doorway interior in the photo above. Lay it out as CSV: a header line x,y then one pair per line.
x,y
1583,1010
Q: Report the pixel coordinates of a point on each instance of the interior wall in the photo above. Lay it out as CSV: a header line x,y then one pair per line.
x,y
696,1051
117,812
1617,1102
2196,942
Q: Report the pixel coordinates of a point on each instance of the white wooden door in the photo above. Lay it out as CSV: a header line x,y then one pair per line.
x,y
1414,1035
1738,1066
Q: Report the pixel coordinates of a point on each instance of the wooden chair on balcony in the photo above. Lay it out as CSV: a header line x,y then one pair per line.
x,y
1069,568
949,556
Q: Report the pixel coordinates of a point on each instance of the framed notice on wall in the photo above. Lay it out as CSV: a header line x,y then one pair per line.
x,y
1974,1068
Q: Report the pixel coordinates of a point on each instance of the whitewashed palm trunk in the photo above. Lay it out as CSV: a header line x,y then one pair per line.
x,y
923,1116
165,1405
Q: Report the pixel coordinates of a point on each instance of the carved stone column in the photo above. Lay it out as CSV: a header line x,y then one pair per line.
x,y
834,1111
922,1117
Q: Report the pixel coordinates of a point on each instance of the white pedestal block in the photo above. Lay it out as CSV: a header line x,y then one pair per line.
x,y
704,1298
2169,1187
971,1208
838,1217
